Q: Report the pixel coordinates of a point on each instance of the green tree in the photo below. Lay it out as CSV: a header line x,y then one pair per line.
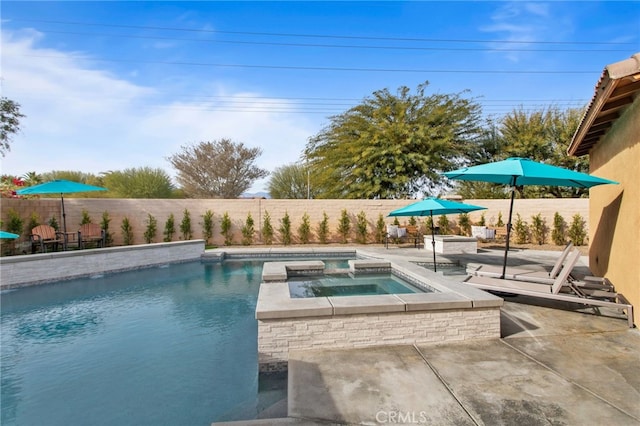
x,y
323,229
577,232
248,231
10,117
127,231
140,182
361,228
207,226
218,169
304,230
443,224
544,135
538,229
464,223
344,226
15,224
34,220
104,224
31,178
290,182
169,228
185,225
392,145
521,230
152,229
267,229
53,222
85,217
225,229
381,229
285,229
559,231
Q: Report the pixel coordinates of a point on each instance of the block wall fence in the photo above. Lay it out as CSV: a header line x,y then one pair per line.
x,y
137,211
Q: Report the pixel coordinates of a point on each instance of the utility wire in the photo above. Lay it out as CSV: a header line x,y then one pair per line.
x,y
339,46
329,36
310,68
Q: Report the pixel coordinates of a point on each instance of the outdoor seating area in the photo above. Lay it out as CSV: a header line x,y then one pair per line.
x,y
45,238
403,234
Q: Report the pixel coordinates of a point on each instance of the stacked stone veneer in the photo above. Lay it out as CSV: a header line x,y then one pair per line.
x,y
277,337
442,315
20,271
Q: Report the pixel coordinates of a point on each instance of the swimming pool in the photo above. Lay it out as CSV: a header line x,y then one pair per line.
x,y
346,285
173,345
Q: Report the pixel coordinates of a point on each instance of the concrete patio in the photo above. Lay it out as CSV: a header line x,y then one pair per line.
x,y
555,363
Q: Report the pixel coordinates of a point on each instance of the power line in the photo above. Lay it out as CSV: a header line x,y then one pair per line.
x,y
310,68
339,46
328,36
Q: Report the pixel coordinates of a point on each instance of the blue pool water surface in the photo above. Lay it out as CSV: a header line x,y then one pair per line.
x,y
346,285
175,345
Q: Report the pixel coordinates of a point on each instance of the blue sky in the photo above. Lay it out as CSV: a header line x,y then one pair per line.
x,y
112,85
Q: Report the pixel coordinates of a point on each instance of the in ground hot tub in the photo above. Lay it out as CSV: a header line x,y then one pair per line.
x,y
438,314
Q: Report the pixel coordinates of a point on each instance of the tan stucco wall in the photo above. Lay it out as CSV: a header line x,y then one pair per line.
x,y
138,209
615,209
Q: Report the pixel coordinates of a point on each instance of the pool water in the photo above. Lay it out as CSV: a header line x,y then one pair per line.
x,y
175,345
346,285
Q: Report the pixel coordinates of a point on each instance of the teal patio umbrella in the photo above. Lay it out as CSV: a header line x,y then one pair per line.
x,y
522,171
431,206
61,187
4,235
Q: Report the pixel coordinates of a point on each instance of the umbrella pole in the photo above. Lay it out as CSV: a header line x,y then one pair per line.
x,y
433,241
64,216
506,250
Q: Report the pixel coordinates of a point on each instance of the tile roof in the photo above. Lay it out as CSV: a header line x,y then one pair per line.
x,y
617,88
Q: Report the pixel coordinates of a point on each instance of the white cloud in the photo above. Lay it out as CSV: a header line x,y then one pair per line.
x,y
80,117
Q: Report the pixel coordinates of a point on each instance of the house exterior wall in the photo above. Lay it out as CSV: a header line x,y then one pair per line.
x,y
614,210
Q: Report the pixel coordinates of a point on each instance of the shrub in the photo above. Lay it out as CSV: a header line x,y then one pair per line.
x,y
169,228
412,221
267,229
104,224
559,232
85,218
577,232
304,230
521,230
53,222
464,223
538,229
127,231
482,221
499,223
381,229
428,223
15,224
225,229
443,224
248,231
361,227
323,229
207,226
34,220
185,225
285,229
152,229
344,226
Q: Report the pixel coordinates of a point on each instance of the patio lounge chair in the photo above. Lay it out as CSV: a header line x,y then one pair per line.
x,y
562,289
91,233
522,274
45,235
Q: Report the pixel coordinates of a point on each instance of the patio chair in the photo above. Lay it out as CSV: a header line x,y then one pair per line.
x,y
522,274
562,289
44,236
91,233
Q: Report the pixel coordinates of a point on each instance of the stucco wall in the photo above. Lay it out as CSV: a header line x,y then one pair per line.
x,y
614,226
138,209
